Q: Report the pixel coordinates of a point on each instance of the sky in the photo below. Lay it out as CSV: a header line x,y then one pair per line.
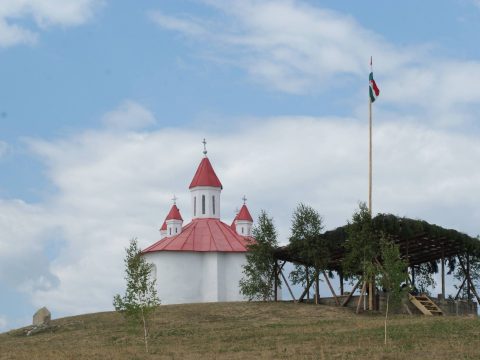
x,y
104,104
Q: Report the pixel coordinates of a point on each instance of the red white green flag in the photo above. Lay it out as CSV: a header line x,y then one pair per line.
x,y
373,89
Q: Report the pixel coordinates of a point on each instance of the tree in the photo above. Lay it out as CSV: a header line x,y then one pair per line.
x,y
307,242
362,247
258,282
391,274
140,299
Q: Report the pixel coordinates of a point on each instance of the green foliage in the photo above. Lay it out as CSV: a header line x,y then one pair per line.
x,y
258,282
362,246
140,299
392,270
300,273
424,280
306,239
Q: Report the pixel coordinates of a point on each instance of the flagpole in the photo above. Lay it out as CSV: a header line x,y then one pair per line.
x,y
370,156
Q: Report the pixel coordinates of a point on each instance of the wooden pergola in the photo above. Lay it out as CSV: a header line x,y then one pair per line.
x,y
419,243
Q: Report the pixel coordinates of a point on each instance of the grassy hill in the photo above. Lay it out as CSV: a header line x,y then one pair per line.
x,y
250,330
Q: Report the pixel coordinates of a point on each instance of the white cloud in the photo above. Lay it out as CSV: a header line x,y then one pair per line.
x,y
188,26
293,47
129,115
4,148
289,45
44,13
114,185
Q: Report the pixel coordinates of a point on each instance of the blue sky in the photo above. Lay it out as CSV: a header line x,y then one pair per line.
x,y
103,105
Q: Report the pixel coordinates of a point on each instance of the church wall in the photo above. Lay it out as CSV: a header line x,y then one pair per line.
x,y
192,277
179,280
232,271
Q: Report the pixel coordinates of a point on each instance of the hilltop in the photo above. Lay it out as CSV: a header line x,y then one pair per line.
x,y
250,330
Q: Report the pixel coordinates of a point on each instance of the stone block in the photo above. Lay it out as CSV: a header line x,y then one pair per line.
x,y
42,317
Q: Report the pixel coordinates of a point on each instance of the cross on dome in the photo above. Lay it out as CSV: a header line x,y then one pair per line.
x,y
244,199
174,199
204,142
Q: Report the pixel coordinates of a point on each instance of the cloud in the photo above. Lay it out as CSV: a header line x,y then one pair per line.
x,y
187,26
129,115
293,47
289,45
67,251
44,13
4,148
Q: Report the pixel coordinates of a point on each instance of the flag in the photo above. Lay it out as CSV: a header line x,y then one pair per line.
x,y
373,89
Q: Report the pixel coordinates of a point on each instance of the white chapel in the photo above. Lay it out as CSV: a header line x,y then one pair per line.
x,y
202,260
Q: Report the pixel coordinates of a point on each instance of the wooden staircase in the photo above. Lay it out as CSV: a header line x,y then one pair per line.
x,y
425,304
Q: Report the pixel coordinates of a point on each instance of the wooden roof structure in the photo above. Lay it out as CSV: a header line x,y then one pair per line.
x,y
419,241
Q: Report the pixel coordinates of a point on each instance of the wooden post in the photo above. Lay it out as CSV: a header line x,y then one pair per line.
x,y
300,299
345,302
371,287
317,286
460,288
288,286
308,285
413,275
275,273
469,280
364,287
340,274
443,275
331,289
468,277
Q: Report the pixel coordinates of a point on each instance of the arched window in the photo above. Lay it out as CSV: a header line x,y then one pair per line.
x,y
176,230
213,204
170,231
194,206
242,229
203,204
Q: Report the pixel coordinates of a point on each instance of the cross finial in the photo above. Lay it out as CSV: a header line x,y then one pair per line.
x,y
174,199
237,210
244,199
204,142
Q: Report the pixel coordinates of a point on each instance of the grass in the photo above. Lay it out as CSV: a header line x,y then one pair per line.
x,y
250,331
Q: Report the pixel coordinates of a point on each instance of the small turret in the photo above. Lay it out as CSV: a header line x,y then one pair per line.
x,y
174,220
244,221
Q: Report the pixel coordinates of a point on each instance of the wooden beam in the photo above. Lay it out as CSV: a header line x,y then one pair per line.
x,y
413,276
288,286
443,275
460,288
300,299
345,302
469,280
340,274
275,291
331,289
308,284
364,288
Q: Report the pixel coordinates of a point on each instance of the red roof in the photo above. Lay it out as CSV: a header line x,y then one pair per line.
x,y
234,228
174,214
205,175
202,235
164,226
244,214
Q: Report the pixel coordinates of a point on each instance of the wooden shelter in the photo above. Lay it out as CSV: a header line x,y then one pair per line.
x,y
419,243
